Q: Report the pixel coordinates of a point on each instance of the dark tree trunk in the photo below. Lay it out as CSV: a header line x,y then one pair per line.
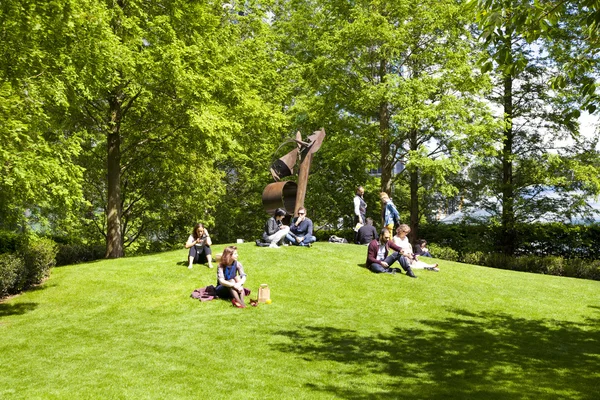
x,y
114,239
414,192
508,213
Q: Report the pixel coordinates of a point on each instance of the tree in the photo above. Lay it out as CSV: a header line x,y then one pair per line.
x,y
391,82
534,116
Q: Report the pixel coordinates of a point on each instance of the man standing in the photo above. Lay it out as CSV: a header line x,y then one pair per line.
x,y
360,210
377,255
301,230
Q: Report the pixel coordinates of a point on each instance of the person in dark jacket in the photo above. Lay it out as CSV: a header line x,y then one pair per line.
x,y
301,230
377,255
275,231
367,233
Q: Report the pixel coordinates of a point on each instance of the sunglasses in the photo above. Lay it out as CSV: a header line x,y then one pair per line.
x,y
301,213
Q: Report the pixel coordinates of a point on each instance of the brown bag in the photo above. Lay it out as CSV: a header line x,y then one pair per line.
x,y
264,293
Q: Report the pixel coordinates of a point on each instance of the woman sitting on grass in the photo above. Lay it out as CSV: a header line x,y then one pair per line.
x,y
199,244
401,240
231,278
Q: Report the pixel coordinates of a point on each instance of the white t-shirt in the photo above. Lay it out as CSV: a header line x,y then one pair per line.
x,y
404,244
381,252
202,243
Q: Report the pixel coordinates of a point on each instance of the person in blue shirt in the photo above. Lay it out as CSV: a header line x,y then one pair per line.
x,y
390,214
301,230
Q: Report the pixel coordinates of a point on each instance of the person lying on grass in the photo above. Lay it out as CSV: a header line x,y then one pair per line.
x,y
377,255
231,277
401,240
199,244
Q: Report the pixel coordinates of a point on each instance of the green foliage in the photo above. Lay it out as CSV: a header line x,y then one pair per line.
x,y
76,253
39,256
12,269
443,252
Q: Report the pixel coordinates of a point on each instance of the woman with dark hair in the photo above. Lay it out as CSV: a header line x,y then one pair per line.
x,y
231,278
275,231
199,244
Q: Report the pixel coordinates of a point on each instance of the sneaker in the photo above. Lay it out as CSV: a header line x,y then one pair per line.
x,y
390,271
190,266
435,269
410,273
273,246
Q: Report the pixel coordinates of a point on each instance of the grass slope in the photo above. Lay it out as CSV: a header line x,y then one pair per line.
x,y
127,328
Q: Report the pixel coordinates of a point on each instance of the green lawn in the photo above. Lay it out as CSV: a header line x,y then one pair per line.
x,y
127,329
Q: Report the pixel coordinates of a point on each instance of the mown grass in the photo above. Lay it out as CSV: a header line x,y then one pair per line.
x,y
127,328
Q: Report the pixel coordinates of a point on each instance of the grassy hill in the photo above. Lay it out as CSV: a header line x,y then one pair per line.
x,y
127,328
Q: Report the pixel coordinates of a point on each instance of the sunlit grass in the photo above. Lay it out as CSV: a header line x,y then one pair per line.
x,y
127,328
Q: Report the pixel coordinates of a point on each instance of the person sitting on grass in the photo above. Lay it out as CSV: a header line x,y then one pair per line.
x,y
421,248
199,244
401,240
275,231
377,255
301,230
366,233
231,278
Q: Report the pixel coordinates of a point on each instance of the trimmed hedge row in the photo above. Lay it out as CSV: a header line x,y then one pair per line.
x,y
552,239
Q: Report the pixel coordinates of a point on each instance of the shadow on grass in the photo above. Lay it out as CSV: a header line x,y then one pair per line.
x,y
484,355
16,309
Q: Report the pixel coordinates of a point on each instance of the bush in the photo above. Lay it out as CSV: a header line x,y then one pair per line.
x,y
12,272
477,258
444,253
39,256
9,242
77,253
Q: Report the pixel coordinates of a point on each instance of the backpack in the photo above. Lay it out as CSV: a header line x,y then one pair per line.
x,y
337,239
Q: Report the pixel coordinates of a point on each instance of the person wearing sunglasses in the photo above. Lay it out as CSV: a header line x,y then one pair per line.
x,y
301,230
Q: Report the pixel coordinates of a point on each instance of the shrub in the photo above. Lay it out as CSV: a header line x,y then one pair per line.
x,y
477,258
9,242
77,253
39,256
12,272
444,253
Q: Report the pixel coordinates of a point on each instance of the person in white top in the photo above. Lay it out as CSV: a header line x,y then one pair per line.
x,y
401,240
199,244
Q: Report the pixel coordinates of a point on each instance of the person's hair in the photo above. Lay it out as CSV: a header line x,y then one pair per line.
x,y
383,232
403,228
369,221
383,195
302,208
421,242
195,231
358,189
227,257
280,212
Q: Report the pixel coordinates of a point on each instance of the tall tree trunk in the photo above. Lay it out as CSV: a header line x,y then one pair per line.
x,y
414,192
508,213
114,239
386,160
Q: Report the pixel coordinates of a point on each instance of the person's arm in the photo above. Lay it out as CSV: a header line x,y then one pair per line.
x,y
221,278
357,209
242,274
372,254
309,227
375,234
190,242
395,247
207,240
271,227
294,225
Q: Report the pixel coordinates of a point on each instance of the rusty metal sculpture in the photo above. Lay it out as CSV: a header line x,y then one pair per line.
x,y
288,194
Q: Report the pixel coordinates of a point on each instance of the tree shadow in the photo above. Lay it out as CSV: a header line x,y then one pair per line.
x,y
16,309
470,355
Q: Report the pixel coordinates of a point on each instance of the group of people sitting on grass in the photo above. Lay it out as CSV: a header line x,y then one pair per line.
x,y
299,233
231,275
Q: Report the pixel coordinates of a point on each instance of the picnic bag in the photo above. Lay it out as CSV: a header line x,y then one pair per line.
x,y
264,293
